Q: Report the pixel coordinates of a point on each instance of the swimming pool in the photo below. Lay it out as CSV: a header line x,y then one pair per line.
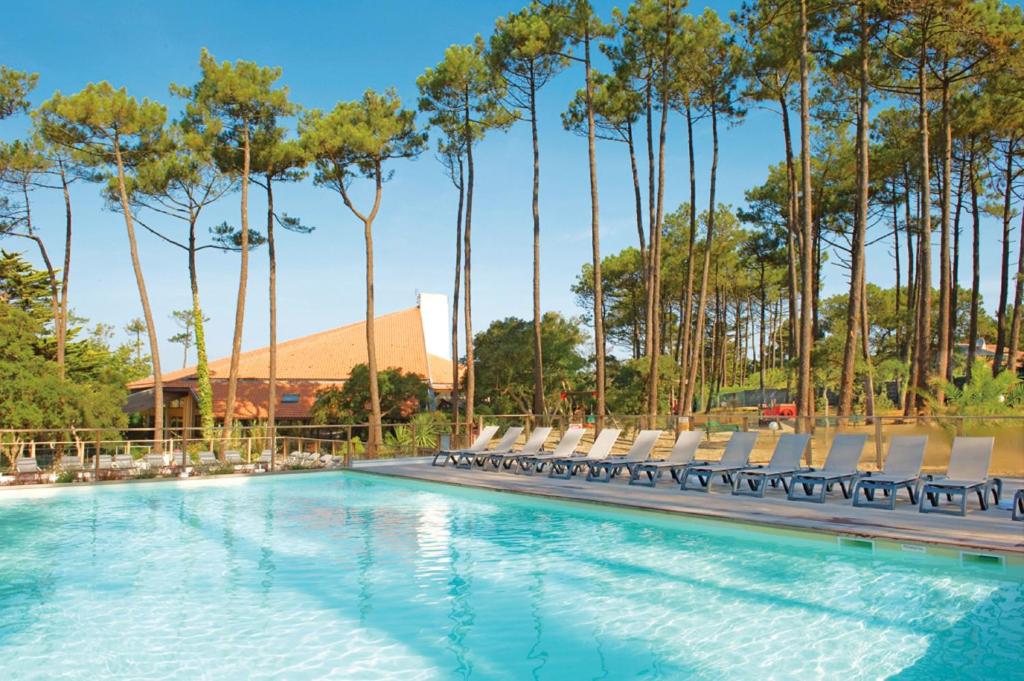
x,y
347,575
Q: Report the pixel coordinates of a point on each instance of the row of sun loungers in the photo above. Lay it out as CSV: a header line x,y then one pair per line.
x,y
967,472
124,465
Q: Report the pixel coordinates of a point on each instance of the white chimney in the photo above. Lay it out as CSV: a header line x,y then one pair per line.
x,y
434,316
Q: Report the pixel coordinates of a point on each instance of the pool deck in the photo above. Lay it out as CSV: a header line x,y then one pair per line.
x,y
979,531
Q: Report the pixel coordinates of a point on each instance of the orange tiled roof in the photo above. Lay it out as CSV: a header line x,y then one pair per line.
x,y
330,355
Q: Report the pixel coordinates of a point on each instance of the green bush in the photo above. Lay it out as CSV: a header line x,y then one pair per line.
x,y
66,476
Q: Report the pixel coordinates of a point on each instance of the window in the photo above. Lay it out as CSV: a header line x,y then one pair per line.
x,y
289,398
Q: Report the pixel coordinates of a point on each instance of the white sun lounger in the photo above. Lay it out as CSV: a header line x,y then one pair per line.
x,y
566,467
785,462
533,445
840,467
967,472
735,457
902,470
154,461
234,458
466,459
643,445
479,444
681,456
565,448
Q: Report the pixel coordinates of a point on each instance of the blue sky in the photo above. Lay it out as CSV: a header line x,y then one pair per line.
x,y
331,52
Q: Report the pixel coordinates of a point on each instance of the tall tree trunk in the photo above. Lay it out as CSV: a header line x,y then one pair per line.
x,y
272,379
655,271
376,435
954,278
467,267
595,234
243,277
805,387
686,355
649,321
792,233
911,276
945,313
638,202
455,304
65,274
972,330
538,358
147,313
865,346
1004,277
896,252
702,298
760,341
1018,295
855,303
204,390
923,328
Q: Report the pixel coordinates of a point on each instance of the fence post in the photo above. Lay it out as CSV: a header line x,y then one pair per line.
x,y
878,443
96,459
746,423
479,424
348,447
415,447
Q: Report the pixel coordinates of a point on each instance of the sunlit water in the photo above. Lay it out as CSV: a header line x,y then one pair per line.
x,y
349,576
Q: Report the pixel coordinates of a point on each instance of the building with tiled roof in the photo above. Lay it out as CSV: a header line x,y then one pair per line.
x,y
415,340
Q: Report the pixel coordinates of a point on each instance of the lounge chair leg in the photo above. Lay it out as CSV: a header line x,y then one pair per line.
x,y
761,486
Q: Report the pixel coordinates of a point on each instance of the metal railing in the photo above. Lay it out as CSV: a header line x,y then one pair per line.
x,y
344,443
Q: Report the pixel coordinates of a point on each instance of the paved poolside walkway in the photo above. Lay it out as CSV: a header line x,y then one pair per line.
x,y
979,530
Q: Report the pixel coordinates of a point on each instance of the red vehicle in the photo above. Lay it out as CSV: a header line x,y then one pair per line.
x,y
775,412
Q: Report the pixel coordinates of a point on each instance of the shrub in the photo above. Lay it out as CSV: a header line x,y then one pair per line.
x,y
66,476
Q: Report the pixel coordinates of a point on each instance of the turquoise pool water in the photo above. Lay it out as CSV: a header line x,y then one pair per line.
x,y
341,575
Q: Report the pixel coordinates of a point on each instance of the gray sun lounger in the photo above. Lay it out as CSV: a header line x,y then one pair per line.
x,y
902,470
967,472
568,466
784,464
533,445
234,458
479,445
26,467
643,445
71,464
1018,505
154,461
207,459
106,463
840,467
504,445
565,448
681,456
124,463
736,457
265,459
